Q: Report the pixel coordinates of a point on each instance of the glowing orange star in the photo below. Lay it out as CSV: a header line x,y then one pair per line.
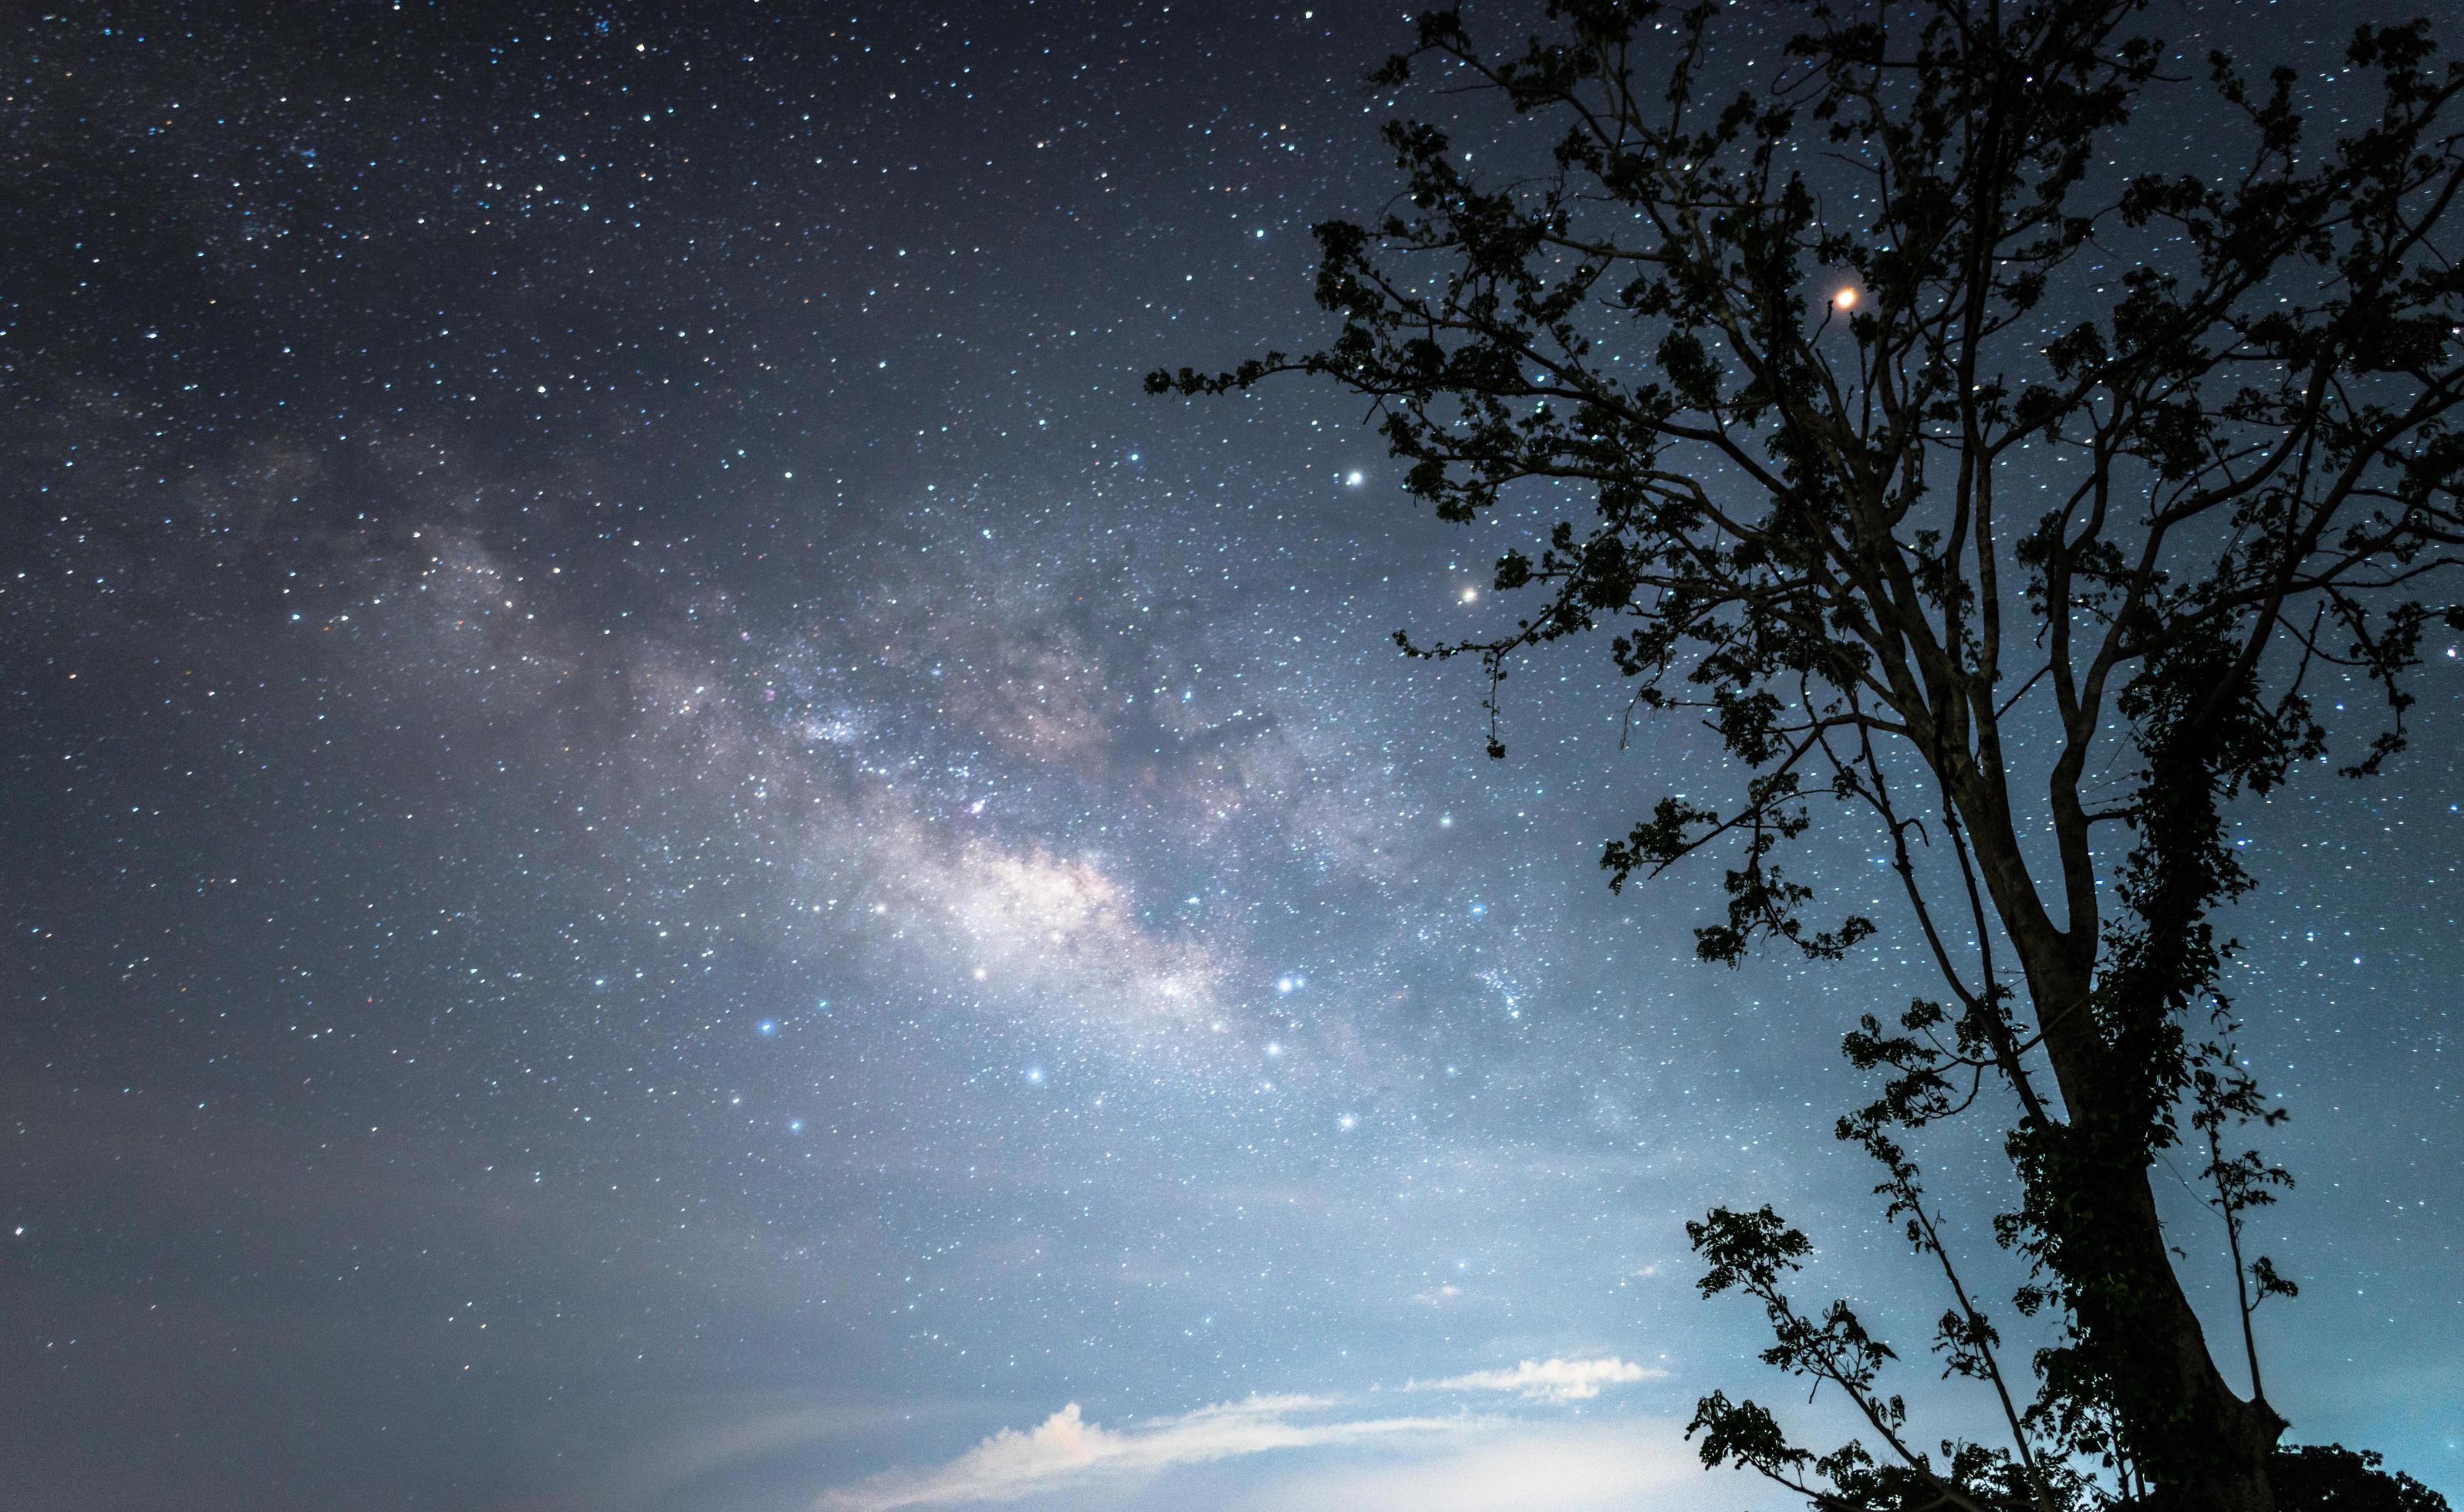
x,y
1845,299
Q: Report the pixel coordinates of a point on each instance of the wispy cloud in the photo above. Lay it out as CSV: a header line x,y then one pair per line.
x,y
1619,1464
1067,1449
1550,1380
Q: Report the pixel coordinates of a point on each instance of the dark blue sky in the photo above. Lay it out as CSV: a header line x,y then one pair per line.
x,y
667,850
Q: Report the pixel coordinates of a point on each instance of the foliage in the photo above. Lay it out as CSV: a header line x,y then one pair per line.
x,y
2102,465
2329,1478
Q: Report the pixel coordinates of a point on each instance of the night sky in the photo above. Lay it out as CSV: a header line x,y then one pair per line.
x,y
664,848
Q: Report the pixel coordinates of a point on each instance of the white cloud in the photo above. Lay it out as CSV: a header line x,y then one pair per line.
x,y
1550,1380
1065,1449
1605,1465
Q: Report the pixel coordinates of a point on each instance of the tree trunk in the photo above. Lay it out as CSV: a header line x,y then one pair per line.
x,y
2202,1447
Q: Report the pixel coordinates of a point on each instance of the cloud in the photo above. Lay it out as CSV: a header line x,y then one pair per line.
x,y
1550,1380
1067,1449
1623,1464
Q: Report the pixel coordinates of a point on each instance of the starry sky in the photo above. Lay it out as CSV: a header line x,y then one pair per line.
x,y
665,849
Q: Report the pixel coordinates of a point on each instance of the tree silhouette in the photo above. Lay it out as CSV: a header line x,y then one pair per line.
x,y
1940,448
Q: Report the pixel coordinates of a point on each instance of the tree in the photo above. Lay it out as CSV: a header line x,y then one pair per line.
x,y
1930,444
2332,1478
